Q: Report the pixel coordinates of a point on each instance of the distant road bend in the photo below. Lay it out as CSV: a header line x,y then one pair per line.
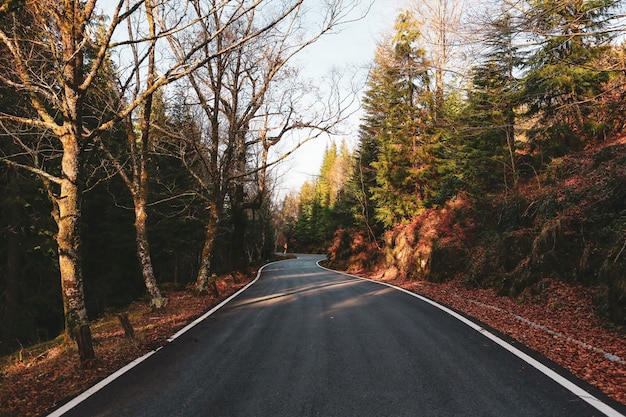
x,y
304,341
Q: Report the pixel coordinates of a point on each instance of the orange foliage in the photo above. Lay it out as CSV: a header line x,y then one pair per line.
x,y
409,248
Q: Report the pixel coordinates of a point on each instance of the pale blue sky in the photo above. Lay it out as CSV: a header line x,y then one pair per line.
x,y
354,45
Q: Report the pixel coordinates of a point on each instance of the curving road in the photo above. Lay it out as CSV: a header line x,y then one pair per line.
x,y
303,341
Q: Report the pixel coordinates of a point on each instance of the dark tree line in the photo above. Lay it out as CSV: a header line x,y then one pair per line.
x,y
136,143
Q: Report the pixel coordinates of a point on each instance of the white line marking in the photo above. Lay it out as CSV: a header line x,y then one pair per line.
x,y
609,356
564,382
90,391
106,381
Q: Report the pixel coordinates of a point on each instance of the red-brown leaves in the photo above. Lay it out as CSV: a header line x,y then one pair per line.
x,y
45,378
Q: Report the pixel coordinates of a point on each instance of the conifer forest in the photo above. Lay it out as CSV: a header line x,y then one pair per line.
x,y
141,141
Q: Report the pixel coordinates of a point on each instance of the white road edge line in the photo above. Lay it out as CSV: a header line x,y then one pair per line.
x,y
106,381
567,384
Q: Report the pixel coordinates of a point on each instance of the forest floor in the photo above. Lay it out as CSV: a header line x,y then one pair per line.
x,y
36,380
560,325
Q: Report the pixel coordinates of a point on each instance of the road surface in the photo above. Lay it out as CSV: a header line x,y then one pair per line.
x,y
303,341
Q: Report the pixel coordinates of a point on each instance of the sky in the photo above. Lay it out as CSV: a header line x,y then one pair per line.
x,y
354,45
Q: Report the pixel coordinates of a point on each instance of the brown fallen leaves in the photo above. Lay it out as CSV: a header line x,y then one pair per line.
x,y
560,325
38,379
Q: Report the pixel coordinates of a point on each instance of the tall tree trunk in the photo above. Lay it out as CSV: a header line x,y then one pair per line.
x,y
143,253
216,201
203,282
510,143
140,201
441,59
137,184
439,96
140,192
68,203
68,206
510,128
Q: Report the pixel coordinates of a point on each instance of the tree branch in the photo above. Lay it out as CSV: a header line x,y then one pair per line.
x,y
32,169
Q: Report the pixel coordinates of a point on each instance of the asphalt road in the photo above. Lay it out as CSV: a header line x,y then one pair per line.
x,y
303,341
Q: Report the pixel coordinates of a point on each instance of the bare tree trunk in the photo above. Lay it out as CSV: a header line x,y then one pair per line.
x,y
137,184
203,281
510,142
139,189
69,200
68,241
139,149
510,130
439,90
143,254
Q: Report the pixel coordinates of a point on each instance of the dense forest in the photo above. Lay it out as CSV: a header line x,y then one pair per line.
x,y
137,140
491,150
137,145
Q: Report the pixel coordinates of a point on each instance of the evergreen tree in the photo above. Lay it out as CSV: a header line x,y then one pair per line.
x,y
487,145
402,161
308,209
375,108
323,206
563,80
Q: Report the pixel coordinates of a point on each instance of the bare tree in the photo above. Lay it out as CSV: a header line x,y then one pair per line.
x,y
139,143
56,32
251,101
440,31
46,43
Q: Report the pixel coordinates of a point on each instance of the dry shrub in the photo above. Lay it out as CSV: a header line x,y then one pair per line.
x,y
435,245
353,251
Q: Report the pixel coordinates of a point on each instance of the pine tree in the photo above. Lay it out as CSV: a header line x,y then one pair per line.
x,y
562,81
488,119
308,209
401,120
323,206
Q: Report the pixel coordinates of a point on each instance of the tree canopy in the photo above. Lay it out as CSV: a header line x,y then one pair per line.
x,y
137,140
90,126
